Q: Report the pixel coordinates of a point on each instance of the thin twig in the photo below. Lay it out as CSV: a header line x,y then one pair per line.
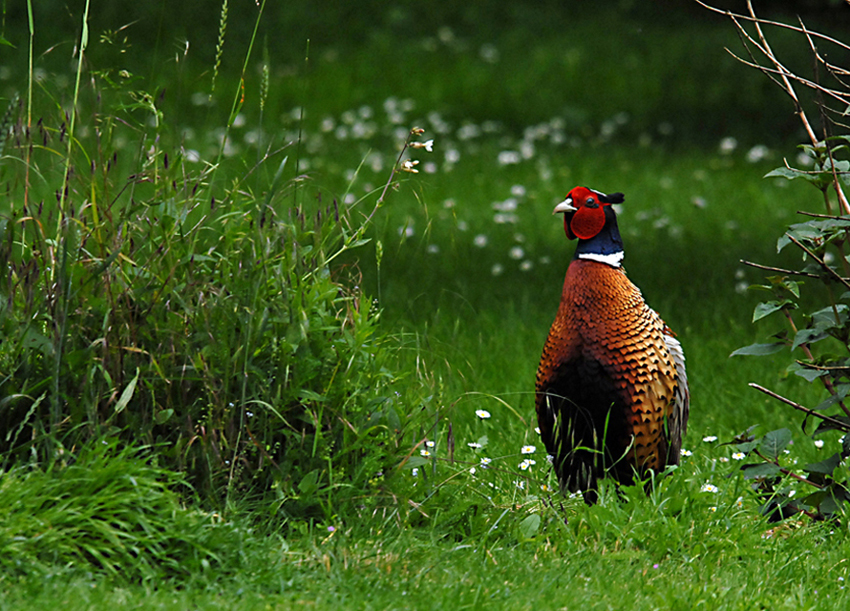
x,y
785,471
797,406
835,275
778,24
837,368
780,270
823,216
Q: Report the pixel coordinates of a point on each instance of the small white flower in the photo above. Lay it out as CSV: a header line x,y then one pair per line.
x,y
474,445
818,443
524,465
708,488
685,452
415,471
497,269
484,462
739,456
509,158
428,145
409,165
424,453
537,429
709,438
713,508
472,470
482,413
757,153
480,240
516,253
430,444
528,449
728,144
723,459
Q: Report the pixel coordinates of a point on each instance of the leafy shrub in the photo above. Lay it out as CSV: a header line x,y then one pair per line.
x,y
817,325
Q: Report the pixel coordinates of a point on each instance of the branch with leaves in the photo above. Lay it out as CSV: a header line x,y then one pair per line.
x,y
812,333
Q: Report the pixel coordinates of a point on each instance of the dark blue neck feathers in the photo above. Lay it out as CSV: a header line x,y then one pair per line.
x,y
606,246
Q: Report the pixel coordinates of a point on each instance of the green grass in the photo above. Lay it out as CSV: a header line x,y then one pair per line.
x,y
295,410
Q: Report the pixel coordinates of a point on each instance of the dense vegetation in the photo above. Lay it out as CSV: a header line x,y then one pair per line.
x,y
247,359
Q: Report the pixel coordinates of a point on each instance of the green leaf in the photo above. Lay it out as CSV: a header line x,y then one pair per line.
x,y
807,373
747,446
415,461
807,336
309,483
765,469
789,173
841,391
843,424
825,466
766,308
310,395
758,349
125,397
793,286
529,526
774,442
164,416
831,502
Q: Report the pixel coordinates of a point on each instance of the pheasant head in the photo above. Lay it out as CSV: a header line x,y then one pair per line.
x,y
590,218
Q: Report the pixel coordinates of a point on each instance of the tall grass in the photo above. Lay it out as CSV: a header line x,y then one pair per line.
x,y
148,301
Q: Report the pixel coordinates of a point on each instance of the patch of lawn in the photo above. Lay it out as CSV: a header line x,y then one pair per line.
x,y
448,499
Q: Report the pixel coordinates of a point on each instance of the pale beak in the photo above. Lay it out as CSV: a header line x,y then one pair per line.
x,y
565,206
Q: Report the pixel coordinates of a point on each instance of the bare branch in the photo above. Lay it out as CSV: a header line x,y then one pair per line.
x,y
778,24
783,74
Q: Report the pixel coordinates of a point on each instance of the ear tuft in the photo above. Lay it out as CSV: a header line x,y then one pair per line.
x,y
613,198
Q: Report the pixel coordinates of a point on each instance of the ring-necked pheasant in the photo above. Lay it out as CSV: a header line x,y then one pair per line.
x,y
612,392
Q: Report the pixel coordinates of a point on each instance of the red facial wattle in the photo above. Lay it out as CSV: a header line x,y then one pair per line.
x,y
587,221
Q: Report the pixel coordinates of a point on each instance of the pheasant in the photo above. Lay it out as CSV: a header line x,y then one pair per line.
x,y
612,392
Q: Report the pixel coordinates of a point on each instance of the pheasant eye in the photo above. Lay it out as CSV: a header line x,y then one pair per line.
x,y
591,203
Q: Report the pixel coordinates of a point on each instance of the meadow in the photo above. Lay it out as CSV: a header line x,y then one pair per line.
x,y
248,361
